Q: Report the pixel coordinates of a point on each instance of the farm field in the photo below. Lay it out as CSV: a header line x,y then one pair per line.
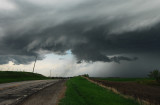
x,y
139,88
14,76
82,92
125,79
145,81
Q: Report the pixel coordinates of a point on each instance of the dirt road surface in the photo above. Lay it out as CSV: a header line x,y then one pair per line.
x,y
16,92
47,96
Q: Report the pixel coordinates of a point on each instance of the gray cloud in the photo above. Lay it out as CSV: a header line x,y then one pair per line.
x,y
119,58
92,30
16,59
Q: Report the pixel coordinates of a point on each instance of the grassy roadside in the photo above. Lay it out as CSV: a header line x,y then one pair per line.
x,y
14,76
82,92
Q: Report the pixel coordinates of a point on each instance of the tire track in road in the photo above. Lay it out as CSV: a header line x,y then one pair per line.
x,y
47,96
13,93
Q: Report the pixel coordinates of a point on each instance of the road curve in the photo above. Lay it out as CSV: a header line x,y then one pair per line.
x,y
13,93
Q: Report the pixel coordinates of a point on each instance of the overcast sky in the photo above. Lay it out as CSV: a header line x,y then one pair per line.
x,y
71,37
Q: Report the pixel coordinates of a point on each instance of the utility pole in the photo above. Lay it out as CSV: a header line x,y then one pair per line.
x,y
50,73
34,64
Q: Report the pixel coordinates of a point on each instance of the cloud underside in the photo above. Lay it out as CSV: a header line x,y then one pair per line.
x,y
93,31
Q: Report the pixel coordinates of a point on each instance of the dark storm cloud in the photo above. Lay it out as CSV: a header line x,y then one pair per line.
x,y
16,59
119,58
92,30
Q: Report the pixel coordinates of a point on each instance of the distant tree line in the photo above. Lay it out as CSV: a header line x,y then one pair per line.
x,y
155,74
85,75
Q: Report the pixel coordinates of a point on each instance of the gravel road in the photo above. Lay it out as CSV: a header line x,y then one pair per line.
x,y
47,96
16,92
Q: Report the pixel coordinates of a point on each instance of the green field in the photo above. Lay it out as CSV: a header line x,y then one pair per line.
x,y
145,81
82,92
125,79
13,76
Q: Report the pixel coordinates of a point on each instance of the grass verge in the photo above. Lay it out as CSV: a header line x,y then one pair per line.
x,y
82,92
14,76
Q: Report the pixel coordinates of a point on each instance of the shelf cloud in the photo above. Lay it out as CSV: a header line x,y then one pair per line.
x,y
103,30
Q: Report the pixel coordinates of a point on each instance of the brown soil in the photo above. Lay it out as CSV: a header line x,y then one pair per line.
x,y
139,91
61,93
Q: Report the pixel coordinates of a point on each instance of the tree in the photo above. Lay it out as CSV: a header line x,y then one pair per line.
x,y
86,75
155,74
